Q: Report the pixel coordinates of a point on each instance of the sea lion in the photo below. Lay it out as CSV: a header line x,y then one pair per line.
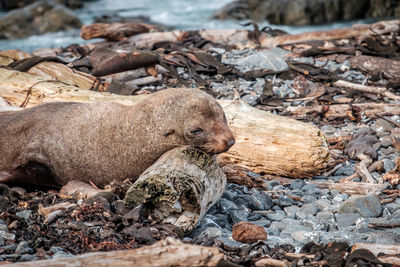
x,y
54,143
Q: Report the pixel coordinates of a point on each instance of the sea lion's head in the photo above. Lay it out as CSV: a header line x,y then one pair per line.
x,y
198,118
207,127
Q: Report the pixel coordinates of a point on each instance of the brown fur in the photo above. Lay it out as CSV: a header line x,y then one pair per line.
x,y
101,142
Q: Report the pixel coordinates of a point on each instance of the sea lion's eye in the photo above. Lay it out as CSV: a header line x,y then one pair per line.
x,y
196,131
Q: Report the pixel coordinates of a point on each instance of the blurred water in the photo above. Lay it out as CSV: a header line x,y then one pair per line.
x,y
180,14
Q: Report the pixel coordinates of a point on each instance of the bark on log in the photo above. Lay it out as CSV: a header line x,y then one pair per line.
x,y
180,186
168,252
265,142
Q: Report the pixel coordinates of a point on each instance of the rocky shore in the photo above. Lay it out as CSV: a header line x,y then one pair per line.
x,y
348,86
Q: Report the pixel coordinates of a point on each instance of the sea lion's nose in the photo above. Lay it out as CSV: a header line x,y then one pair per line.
x,y
230,142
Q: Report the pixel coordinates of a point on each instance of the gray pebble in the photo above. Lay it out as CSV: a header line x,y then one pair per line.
x,y
384,237
24,248
61,255
276,216
28,257
291,211
226,205
285,201
250,99
262,222
228,244
366,206
297,184
24,214
346,219
238,215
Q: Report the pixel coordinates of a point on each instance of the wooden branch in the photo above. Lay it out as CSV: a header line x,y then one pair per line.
x,y
227,37
381,27
117,31
367,89
341,110
168,252
181,186
264,142
388,68
352,188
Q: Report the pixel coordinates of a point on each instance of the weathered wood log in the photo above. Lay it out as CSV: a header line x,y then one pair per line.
x,y
367,89
117,31
54,71
336,111
227,37
180,186
242,37
352,188
378,28
264,142
167,252
388,68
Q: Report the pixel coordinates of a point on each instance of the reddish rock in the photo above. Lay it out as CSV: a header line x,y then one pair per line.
x,y
246,232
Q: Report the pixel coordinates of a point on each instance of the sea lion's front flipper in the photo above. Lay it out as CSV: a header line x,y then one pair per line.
x,y
30,174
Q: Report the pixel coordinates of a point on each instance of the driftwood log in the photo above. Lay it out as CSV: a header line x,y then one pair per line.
x,y
180,187
167,252
242,37
54,71
265,142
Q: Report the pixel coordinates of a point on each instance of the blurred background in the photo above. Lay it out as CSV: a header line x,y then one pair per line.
x,y
32,24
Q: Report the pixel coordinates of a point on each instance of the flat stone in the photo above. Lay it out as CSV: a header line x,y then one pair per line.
x,y
382,125
212,232
306,210
24,248
27,257
270,59
392,207
285,201
366,206
251,100
326,215
346,219
238,215
304,237
324,204
289,229
276,216
262,222
226,205
384,237
297,184
61,255
246,232
229,244
385,141
24,214
291,211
